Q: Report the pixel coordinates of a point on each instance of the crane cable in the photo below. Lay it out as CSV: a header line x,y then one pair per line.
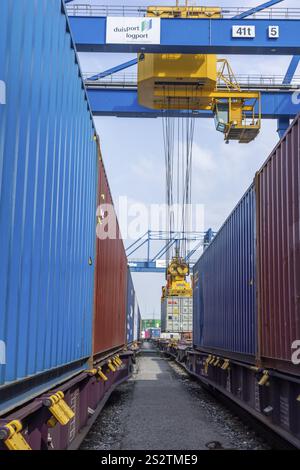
x,y
178,136
187,193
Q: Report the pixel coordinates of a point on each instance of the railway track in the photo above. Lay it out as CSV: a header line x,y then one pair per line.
x,y
275,435
162,407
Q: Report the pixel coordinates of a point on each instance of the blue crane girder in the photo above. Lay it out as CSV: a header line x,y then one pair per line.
x,y
208,36
291,70
123,102
145,267
112,70
152,264
257,9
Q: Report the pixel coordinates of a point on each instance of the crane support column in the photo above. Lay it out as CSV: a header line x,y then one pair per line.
x,y
283,124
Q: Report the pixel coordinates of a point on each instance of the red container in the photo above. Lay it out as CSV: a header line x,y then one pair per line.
x,y
147,334
110,280
278,244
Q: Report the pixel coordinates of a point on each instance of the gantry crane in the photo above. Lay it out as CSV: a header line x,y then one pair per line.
x,y
276,35
198,82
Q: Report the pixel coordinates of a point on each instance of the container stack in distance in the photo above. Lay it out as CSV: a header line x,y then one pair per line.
x,y
177,298
133,312
177,314
247,282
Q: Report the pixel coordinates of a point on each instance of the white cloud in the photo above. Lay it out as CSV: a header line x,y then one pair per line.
x,y
203,159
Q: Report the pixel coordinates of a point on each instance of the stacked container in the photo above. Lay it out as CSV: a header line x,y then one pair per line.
x,y
57,280
133,312
131,308
247,282
176,314
111,274
136,320
48,178
224,285
278,241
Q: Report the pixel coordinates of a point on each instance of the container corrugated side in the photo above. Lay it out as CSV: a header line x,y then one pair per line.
x,y
177,314
224,286
131,308
136,320
278,224
139,325
111,279
48,176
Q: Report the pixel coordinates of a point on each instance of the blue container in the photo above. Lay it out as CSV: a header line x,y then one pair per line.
x,y
131,309
154,333
139,326
48,175
224,303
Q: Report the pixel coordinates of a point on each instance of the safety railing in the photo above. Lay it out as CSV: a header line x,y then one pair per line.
x,y
244,80
125,10
265,80
116,78
268,13
105,10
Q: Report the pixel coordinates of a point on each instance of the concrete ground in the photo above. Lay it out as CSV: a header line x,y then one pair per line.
x,y
161,408
163,415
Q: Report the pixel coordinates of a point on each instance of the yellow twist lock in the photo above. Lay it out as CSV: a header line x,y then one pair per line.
x,y
119,360
225,365
264,379
115,362
212,360
59,408
206,364
12,436
91,371
101,374
216,362
110,366
67,410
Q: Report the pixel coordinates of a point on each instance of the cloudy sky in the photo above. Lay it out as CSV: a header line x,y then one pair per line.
x,y
134,156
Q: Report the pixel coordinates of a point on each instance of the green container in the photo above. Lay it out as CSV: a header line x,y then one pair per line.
x,y
150,324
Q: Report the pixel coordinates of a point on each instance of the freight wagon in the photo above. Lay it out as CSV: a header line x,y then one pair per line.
x,y
246,298
63,291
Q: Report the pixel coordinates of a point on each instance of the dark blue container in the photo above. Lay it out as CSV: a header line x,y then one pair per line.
x,y
224,305
154,333
48,175
139,324
132,313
